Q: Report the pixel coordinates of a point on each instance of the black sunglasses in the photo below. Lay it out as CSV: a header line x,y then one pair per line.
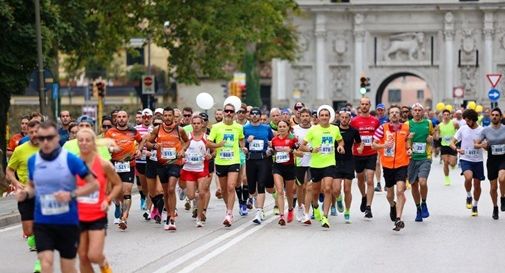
x,y
157,123
228,111
187,115
240,112
255,113
48,138
106,126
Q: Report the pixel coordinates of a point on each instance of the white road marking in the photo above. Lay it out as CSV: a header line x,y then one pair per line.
x,y
10,228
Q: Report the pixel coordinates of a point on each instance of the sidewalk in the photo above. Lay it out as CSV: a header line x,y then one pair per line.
x,y
9,214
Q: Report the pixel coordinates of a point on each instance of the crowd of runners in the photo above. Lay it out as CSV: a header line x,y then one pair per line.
x,y
66,176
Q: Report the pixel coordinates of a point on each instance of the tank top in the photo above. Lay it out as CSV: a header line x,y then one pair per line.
x,y
169,145
89,206
396,156
195,154
447,132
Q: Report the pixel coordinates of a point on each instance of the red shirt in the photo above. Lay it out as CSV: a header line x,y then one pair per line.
x,y
14,141
366,127
89,206
278,144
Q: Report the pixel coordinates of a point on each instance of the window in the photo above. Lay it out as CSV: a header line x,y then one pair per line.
x,y
135,56
420,94
395,95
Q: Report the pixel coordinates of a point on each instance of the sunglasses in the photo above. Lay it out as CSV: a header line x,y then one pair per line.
x,y
229,111
298,107
146,117
187,115
106,126
240,112
48,138
256,113
157,124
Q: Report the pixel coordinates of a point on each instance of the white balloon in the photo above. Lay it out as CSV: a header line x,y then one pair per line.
x,y
233,100
205,101
329,108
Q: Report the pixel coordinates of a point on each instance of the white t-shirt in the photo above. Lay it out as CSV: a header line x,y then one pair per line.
x,y
467,136
300,133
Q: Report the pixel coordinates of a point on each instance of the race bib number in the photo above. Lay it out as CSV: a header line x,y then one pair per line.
x,y
472,152
419,148
194,158
447,139
122,167
153,155
91,198
389,152
50,206
226,154
498,149
326,149
168,153
281,157
257,145
367,140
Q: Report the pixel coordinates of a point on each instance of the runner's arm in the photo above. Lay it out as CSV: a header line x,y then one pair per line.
x,y
112,178
11,177
151,138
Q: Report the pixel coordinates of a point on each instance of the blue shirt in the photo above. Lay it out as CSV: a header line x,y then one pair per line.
x,y
51,176
23,140
435,121
262,135
63,136
383,120
486,121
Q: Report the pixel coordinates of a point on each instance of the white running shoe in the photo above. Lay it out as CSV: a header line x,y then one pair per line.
x,y
199,223
117,221
257,218
262,215
306,219
228,219
300,213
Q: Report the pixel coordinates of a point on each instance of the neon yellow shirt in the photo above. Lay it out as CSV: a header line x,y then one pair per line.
x,y
324,138
73,147
19,160
229,154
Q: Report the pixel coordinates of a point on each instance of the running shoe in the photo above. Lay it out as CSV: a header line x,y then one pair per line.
x,y
424,210
105,269
347,217
181,193
170,225
362,207
146,216
155,214
276,210
469,202
392,212
502,203
117,211
324,222
117,221
340,204
250,203
299,213
122,225
37,268
419,217
321,197
474,211
333,211
378,188
262,215
282,221
399,224
317,214
199,223
228,219
187,205
243,211
31,243
306,220
447,181
495,213
194,213
257,217
368,212
143,204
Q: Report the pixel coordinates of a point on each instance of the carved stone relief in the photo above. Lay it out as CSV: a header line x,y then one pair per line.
x,y
339,47
301,82
339,76
468,76
468,45
303,45
404,47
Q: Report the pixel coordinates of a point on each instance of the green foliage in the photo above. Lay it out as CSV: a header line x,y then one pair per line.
x,y
250,68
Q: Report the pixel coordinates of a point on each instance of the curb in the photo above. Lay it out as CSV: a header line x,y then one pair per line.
x,y
10,220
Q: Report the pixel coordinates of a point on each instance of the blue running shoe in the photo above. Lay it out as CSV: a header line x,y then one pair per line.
x,y
340,204
243,210
419,217
117,211
333,211
424,210
143,204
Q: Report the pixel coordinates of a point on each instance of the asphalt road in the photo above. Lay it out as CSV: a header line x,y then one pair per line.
x,y
450,240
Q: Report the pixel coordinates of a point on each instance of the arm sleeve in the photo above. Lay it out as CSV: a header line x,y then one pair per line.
x,y
77,166
31,166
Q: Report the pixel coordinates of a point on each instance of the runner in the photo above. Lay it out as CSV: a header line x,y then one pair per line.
x,y
275,117
421,132
492,138
208,180
52,173
218,115
366,161
17,174
257,137
92,208
391,140
302,163
153,183
123,158
383,118
140,168
345,164
458,118
283,169
295,119
322,139
169,140
14,140
445,131
229,138
187,113
195,171
63,131
242,188
138,118
472,165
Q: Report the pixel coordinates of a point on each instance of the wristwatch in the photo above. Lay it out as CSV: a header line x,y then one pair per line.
x,y
73,195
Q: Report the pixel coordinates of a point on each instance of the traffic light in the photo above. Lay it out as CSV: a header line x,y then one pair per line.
x,y
363,84
367,84
100,86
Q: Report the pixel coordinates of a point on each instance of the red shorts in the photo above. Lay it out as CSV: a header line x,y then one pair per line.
x,y
193,176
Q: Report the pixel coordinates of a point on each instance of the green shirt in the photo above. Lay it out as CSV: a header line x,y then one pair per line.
x,y
73,147
324,138
447,132
19,160
188,129
231,134
421,149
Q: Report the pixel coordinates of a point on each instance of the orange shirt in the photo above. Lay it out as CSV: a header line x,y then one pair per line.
x,y
13,142
169,145
125,139
397,156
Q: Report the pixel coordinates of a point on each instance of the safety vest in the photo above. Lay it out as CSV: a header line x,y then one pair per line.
x,y
396,156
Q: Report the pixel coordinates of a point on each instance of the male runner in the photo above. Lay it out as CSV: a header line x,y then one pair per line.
x,y
65,119
445,131
302,164
144,129
14,140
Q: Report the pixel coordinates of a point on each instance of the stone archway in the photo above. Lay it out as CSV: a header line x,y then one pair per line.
x,y
411,88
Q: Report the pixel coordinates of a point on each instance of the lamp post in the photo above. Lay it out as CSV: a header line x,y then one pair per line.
x,y
40,63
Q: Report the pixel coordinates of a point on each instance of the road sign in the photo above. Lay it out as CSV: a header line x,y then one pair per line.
x,y
458,92
493,94
148,85
494,78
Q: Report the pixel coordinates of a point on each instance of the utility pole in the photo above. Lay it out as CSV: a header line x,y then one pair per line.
x,y
149,65
40,63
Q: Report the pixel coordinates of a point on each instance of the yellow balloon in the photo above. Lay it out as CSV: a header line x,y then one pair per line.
x,y
449,107
440,106
471,105
479,108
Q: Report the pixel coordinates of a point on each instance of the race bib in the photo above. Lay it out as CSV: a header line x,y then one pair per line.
x,y
122,167
50,206
367,140
447,139
472,152
326,149
419,148
91,198
256,145
389,152
226,154
168,153
153,155
498,149
194,158
281,157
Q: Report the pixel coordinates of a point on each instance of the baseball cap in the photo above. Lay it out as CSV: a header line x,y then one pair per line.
x,y
204,116
285,111
255,111
87,119
158,111
147,112
380,106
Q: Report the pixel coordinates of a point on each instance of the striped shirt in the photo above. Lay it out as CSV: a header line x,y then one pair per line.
x,y
143,130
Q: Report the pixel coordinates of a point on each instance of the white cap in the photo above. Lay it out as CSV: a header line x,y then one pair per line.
x,y
459,111
147,112
158,110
